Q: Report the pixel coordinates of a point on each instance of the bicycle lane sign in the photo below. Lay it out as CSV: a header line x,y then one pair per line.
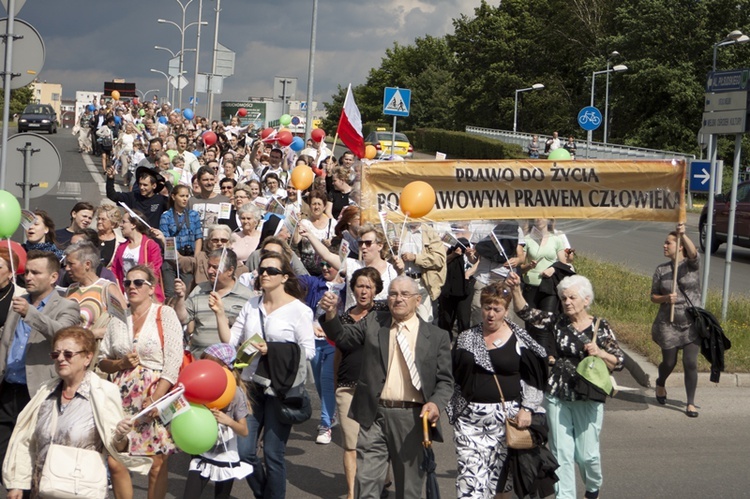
x,y
589,118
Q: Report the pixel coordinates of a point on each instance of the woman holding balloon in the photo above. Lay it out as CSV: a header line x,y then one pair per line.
x,y
144,354
222,464
282,322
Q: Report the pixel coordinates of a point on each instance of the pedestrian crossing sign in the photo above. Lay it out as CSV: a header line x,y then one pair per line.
x,y
396,101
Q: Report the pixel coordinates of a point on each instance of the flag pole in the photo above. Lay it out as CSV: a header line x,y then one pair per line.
x,y
335,138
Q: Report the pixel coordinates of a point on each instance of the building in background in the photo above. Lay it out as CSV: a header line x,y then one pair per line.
x,y
47,93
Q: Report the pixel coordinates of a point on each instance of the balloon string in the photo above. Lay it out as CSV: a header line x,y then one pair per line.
x,y
12,269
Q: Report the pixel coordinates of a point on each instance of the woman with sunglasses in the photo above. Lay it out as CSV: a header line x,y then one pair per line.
x,y
77,409
138,249
144,354
372,247
285,325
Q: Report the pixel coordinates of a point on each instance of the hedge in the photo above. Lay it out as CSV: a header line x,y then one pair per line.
x,y
462,145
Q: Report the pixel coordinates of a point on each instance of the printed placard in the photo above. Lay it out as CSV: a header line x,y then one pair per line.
x,y
170,248
225,209
27,219
115,308
168,406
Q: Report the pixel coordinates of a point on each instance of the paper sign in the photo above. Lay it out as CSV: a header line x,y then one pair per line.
x,y
246,352
27,219
170,248
225,209
497,244
450,240
115,308
440,156
274,206
169,406
291,220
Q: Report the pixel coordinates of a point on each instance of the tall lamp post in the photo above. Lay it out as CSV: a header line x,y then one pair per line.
x,y
181,53
173,54
606,94
617,69
165,76
733,38
535,86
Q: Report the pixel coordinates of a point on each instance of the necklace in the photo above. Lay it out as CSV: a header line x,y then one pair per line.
x,y
140,316
10,288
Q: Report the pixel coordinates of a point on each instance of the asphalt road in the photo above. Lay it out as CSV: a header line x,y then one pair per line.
x,y
648,450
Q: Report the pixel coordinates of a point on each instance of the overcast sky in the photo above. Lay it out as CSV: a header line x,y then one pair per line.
x,y
91,41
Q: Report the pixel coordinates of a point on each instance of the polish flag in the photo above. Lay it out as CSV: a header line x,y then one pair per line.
x,y
350,125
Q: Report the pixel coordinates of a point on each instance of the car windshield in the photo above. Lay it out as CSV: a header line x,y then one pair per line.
x,y
36,110
400,137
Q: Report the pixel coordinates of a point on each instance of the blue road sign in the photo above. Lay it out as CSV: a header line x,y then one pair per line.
x,y
700,176
728,81
589,118
396,101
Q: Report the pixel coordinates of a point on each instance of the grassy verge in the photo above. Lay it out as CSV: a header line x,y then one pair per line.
x,y
622,297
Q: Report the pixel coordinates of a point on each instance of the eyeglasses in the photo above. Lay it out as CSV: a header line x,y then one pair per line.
x,y
217,240
270,271
67,354
137,282
366,243
325,265
402,294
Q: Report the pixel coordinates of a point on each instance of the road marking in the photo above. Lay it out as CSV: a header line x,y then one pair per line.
x,y
96,174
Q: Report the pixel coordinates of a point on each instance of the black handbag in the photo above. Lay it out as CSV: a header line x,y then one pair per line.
x,y
705,322
295,407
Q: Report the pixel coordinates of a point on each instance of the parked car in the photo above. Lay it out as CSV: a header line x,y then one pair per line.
x,y
721,220
38,117
381,139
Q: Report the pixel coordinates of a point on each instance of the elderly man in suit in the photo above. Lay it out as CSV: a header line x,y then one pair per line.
x,y
406,372
26,341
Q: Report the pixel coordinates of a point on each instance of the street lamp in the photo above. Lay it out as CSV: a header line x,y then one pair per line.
x,y
165,76
144,94
735,37
535,86
181,53
617,69
606,94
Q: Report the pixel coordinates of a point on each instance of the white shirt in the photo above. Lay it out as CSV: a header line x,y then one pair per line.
x,y
291,323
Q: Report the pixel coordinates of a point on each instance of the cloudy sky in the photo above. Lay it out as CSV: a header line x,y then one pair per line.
x,y
91,41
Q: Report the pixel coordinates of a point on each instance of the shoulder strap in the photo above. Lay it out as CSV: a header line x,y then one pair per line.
x,y
502,398
262,319
582,337
159,326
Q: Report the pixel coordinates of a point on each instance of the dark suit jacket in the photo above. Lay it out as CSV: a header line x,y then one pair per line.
x,y
57,314
231,222
432,356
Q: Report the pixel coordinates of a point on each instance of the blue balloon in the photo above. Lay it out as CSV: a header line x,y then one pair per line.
x,y
163,119
118,120
197,153
177,110
188,114
297,144
92,108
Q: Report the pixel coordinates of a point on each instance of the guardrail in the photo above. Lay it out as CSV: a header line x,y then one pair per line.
x,y
597,150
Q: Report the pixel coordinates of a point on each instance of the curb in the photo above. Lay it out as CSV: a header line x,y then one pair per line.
x,y
643,371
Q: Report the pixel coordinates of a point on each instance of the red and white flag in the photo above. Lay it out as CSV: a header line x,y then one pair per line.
x,y
350,125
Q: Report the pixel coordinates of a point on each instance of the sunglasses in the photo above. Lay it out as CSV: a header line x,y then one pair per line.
x,y
227,188
217,240
365,243
326,265
137,282
67,354
270,271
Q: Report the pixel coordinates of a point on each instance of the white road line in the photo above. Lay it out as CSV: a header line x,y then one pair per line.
x,y
96,173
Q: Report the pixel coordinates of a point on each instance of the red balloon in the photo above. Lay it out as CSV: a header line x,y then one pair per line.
x,y
204,381
242,112
318,135
135,101
209,138
266,133
20,252
284,138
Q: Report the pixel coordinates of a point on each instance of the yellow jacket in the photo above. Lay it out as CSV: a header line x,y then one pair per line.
x,y
107,408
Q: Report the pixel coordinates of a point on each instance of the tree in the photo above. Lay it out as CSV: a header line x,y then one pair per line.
x,y
19,99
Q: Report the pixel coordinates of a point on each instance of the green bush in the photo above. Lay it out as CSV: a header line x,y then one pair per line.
x,y
462,145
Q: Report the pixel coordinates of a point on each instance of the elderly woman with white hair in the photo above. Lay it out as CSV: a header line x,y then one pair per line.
x,y
219,236
248,236
574,421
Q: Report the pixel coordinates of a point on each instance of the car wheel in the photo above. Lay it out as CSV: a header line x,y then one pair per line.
x,y
702,236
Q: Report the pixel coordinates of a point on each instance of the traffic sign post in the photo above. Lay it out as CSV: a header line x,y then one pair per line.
x,y
589,118
396,102
700,176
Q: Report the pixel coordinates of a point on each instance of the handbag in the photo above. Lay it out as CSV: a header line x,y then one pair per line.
x,y
705,321
516,438
71,472
594,381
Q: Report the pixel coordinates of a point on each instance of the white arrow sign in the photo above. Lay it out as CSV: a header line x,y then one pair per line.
x,y
704,176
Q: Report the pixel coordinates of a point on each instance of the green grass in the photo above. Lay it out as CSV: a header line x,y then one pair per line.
x,y
623,298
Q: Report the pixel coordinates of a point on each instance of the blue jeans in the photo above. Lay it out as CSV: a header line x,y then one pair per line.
x,y
268,483
322,367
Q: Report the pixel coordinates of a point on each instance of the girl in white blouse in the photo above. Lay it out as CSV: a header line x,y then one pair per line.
x,y
277,316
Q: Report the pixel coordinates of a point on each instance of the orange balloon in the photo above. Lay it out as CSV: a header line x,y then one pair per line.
x,y
115,95
228,394
417,199
302,177
370,152
284,129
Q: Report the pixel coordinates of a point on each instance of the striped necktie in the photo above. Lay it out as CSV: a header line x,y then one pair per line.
x,y
403,344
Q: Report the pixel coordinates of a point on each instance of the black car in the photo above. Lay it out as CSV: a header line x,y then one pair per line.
x,y
720,231
38,117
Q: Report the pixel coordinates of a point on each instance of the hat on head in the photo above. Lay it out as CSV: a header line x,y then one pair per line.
x,y
222,351
160,182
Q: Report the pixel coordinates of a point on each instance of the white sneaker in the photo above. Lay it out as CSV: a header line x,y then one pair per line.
x,y
324,436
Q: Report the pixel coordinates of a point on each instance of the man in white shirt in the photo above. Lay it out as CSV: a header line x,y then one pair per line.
x,y
191,162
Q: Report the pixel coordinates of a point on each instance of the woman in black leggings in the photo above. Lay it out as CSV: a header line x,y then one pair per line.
x,y
680,333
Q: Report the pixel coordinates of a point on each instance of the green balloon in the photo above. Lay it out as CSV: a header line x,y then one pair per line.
x,y
10,214
142,112
175,176
171,153
285,120
195,431
559,154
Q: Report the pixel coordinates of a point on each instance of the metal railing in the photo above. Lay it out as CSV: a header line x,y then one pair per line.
x,y
597,150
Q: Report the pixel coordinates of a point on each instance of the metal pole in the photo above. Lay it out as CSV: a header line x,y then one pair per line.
x,y
311,72
393,138
606,104
712,143
7,76
590,133
515,113
730,231
26,188
213,64
197,56
182,55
